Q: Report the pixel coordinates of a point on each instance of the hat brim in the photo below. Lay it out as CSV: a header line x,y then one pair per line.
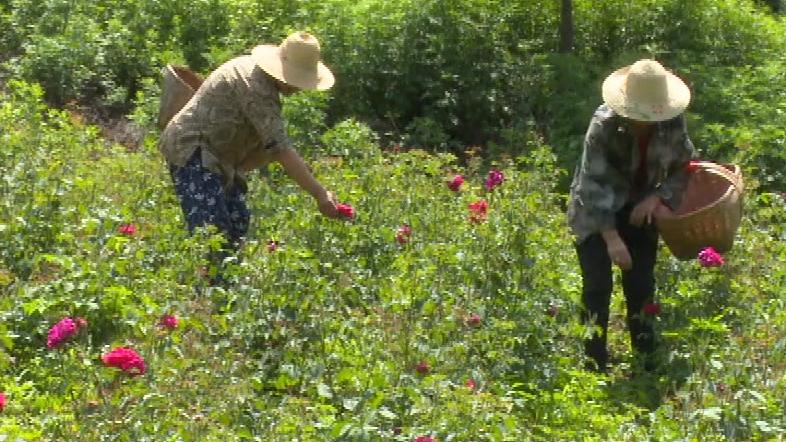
x,y
268,57
677,98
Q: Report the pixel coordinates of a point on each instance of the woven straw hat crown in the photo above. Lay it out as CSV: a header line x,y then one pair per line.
x,y
296,61
646,91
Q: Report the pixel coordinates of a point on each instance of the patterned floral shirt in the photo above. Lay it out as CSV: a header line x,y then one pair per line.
x,y
235,116
603,181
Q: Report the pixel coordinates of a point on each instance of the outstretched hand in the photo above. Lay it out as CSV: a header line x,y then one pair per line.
x,y
327,205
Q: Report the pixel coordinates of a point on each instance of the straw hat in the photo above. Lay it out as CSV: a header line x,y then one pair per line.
x,y
646,91
296,61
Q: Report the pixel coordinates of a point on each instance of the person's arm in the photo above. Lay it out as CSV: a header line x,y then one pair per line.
x,y
616,248
601,189
297,169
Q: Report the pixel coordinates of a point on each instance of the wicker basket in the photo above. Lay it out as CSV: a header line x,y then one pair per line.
x,y
709,214
179,85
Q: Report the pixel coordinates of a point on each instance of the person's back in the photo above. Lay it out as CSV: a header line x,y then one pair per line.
x,y
234,114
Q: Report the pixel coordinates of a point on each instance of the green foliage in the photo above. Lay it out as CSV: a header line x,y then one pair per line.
x,y
319,339
432,74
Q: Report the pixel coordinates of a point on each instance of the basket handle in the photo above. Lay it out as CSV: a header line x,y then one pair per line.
x,y
734,177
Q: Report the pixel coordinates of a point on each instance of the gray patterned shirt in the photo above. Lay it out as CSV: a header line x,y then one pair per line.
x,y
235,115
603,181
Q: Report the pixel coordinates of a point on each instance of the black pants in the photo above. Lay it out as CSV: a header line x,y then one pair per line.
x,y
638,284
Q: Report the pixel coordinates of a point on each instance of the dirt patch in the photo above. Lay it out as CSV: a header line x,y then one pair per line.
x,y
115,128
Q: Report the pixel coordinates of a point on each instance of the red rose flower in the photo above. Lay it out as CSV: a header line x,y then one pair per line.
x,y
422,367
478,211
2,400
125,359
346,210
403,234
455,183
168,322
127,229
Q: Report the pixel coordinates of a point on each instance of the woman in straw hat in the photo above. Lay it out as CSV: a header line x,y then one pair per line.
x,y
632,170
233,125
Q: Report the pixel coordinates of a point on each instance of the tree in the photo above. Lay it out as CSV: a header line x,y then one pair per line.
x,y
566,27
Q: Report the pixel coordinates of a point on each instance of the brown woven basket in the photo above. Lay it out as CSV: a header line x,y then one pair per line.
x,y
179,85
709,214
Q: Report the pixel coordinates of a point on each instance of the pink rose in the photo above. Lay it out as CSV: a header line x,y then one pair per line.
x,y
709,257
125,359
455,183
474,320
471,384
494,179
127,229
403,234
424,439
2,400
61,332
478,211
652,309
346,210
168,322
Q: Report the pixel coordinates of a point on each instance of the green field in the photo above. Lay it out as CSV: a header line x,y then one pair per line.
x,y
342,333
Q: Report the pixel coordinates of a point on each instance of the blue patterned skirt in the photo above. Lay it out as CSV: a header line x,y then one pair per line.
x,y
205,201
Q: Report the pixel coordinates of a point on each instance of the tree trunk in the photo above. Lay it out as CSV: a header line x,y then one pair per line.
x,y
566,27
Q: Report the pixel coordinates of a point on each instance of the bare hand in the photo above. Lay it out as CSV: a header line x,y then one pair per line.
x,y
645,210
619,254
327,205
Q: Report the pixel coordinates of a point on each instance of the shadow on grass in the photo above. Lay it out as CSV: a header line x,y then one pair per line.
x,y
647,389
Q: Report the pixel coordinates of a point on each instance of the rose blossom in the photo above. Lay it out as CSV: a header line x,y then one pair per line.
x,y
709,257
403,234
346,210
62,331
471,384
2,400
455,183
474,319
494,179
125,359
422,367
424,439
478,211
168,322
127,229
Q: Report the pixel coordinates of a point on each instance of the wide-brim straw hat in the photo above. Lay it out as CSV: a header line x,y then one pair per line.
x,y
646,91
296,61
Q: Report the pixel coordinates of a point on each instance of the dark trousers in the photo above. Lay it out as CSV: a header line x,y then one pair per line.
x,y
638,285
